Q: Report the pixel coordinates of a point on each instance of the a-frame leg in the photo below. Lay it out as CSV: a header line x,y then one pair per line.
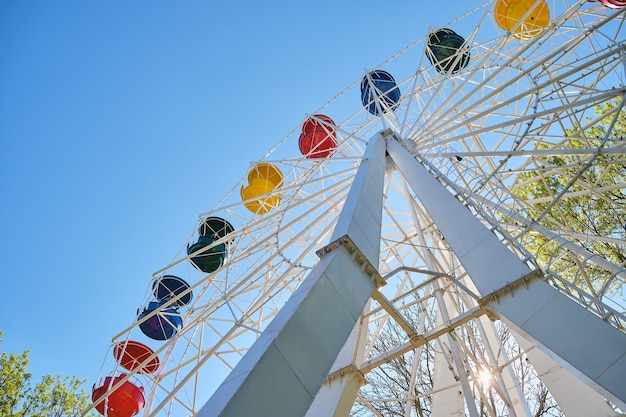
x,y
284,369
582,341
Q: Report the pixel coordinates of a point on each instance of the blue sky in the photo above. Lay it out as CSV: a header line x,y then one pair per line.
x,y
121,122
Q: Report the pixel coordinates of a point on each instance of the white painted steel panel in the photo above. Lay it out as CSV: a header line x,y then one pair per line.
x,y
287,365
575,398
473,244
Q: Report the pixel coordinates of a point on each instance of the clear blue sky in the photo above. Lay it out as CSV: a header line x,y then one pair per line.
x,y
122,121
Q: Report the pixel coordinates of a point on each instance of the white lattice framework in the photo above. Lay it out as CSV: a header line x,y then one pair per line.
x,y
523,116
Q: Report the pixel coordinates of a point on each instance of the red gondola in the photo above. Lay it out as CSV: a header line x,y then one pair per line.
x,y
612,4
132,355
318,137
126,401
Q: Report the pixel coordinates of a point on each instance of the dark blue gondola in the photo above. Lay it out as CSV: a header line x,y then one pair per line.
x,y
379,92
162,325
170,287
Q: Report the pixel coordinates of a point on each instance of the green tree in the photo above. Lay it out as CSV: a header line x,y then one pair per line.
x,y
583,197
51,397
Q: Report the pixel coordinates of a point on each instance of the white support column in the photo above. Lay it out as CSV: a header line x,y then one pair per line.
x,y
583,342
449,380
475,246
512,391
337,395
575,398
284,369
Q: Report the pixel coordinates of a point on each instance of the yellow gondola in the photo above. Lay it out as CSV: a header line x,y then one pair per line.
x,y
263,178
523,18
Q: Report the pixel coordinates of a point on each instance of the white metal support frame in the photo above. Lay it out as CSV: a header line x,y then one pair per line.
x,y
585,344
286,372
285,367
523,143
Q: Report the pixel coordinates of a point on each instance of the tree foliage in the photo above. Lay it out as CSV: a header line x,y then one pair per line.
x,y
53,396
583,197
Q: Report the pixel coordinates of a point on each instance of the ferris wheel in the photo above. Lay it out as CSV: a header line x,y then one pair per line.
x,y
445,237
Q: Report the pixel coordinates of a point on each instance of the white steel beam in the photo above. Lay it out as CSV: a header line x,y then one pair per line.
x,y
340,389
284,369
591,348
474,245
575,399
450,380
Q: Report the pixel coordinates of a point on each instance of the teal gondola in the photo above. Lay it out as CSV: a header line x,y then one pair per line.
x,y
210,259
447,51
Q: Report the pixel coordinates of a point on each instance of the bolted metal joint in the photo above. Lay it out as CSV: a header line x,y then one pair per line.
x,y
357,255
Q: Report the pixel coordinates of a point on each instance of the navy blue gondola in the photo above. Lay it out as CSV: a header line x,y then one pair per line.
x,y
379,92
162,325
444,46
170,287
